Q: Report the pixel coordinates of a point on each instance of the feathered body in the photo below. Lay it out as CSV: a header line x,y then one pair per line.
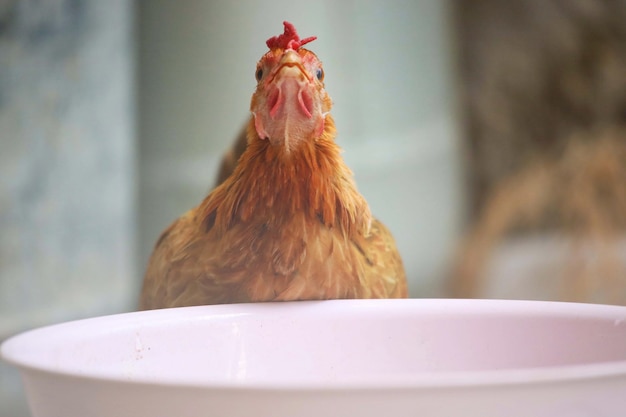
x,y
288,223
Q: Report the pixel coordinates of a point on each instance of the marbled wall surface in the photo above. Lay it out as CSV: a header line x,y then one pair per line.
x,y
67,157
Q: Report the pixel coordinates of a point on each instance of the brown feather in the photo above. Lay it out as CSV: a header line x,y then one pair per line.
x,y
283,226
229,161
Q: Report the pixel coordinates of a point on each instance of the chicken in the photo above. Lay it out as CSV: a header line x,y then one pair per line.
x,y
288,222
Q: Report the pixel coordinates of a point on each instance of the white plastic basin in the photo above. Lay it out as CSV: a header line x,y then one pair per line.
x,y
332,358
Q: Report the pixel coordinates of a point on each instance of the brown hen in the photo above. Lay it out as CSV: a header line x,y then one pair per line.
x,y
288,222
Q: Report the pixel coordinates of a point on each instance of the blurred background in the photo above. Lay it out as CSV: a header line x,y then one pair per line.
x,y
488,136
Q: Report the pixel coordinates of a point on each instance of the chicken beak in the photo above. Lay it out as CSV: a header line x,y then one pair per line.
x,y
290,57
290,65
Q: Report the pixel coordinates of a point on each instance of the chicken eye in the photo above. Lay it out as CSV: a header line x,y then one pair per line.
x,y
319,74
259,74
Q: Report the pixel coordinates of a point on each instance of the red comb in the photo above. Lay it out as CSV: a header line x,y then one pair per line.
x,y
289,39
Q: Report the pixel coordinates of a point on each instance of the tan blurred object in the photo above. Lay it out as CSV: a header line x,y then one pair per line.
x,y
544,105
581,198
